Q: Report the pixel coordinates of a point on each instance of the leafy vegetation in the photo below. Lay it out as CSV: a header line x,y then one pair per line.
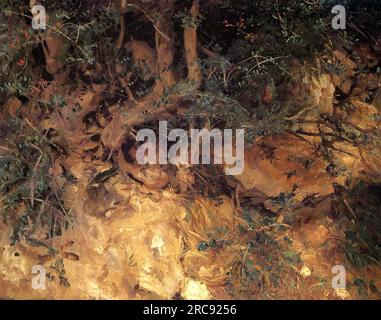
x,y
363,235
268,261
30,202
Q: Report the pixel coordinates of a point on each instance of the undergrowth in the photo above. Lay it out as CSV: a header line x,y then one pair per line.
x,y
269,260
29,201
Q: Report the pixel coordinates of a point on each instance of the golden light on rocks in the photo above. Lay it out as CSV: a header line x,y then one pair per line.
x,y
195,290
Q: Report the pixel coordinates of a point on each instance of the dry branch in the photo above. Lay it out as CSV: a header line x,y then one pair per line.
x,y
122,32
147,108
190,44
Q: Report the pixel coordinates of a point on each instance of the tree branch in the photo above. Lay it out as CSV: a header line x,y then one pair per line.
x,y
190,44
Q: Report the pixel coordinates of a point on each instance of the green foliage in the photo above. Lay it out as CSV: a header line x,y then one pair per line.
x,y
16,44
56,101
187,20
19,85
59,268
28,201
214,244
268,258
362,244
289,27
256,43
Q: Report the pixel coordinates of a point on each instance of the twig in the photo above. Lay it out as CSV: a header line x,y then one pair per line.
x,y
51,28
296,116
32,184
6,149
132,5
350,208
122,32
